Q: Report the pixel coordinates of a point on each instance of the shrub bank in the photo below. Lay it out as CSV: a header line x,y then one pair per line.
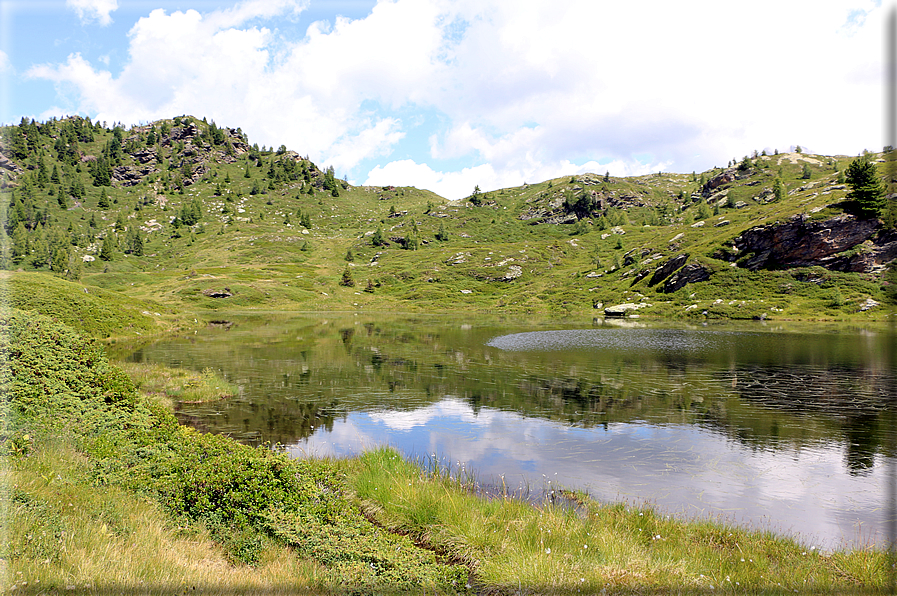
x,y
56,383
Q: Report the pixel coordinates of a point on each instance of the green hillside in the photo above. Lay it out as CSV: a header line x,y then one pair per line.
x,y
194,218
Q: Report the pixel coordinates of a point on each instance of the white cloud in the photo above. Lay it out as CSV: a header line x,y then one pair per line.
x,y
371,141
5,63
90,10
519,90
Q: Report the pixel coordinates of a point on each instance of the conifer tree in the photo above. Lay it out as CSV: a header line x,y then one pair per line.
x,y
75,267
778,189
866,188
20,248
108,247
346,279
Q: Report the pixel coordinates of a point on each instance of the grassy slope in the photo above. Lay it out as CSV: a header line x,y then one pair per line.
x,y
90,310
262,253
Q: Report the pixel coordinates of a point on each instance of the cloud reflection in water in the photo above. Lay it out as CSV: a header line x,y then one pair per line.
x,y
684,469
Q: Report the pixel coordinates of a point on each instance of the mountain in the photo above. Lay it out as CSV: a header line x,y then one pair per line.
x,y
191,216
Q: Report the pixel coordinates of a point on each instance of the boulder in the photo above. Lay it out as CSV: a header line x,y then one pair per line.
x,y
665,270
568,218
225,293
620,310
691,273
868,305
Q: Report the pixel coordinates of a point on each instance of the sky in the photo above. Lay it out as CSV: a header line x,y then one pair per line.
x,y
451,94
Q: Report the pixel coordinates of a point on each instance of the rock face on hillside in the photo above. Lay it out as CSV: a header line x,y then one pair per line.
x,y
665,270
131,176
727,176
9,165
801,242
691,273
869,256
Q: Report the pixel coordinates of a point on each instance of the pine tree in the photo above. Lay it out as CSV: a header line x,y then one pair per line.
x,y
347,278
866,188
40,252
106,251
59,262
20,248
101,172
75,267
778,189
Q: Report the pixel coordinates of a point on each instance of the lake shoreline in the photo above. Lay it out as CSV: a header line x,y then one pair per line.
x,y
112,441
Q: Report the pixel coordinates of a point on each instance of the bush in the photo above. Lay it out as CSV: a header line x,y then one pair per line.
x,y
246,496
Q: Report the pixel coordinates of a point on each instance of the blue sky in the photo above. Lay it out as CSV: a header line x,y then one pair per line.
x,y
448,94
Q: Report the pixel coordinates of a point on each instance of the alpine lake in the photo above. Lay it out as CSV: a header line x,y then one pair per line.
x,y
777,426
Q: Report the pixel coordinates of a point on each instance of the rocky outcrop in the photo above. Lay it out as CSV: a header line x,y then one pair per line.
x,y
867,257
181,133
197,174
691,273
563,218
9,165
724,177
801,242
131,176
727,176
145,155
665,270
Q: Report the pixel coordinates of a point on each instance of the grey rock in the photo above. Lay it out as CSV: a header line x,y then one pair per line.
x,y
665,270
691,273
801,242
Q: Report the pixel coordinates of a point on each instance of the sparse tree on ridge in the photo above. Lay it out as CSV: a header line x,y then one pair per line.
x,y
778,189
866,188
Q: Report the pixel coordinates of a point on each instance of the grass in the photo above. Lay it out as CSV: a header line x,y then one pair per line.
x,y
76,433
94,311
177,384
70,536
561,548
285,247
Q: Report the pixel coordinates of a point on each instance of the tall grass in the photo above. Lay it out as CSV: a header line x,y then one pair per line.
x,y
178,384
68,535
511,545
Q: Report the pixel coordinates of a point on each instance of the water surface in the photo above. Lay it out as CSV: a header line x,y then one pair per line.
x,y
786,428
